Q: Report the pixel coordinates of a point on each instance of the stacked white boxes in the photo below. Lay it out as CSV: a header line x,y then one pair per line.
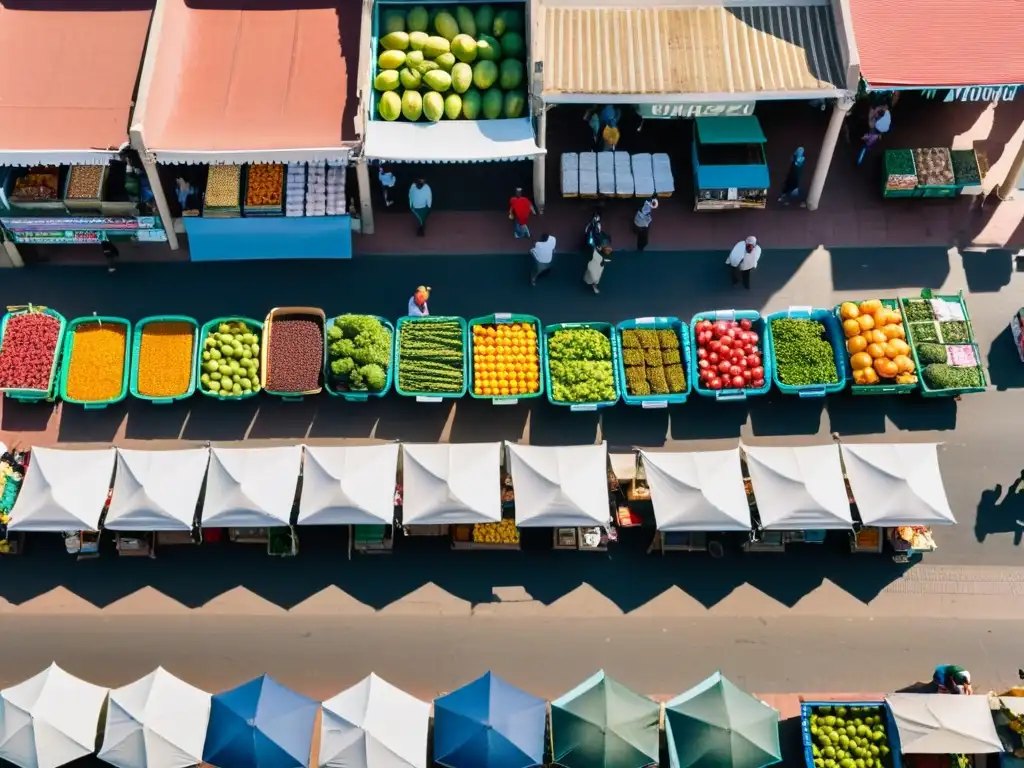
x,y
588,174
337,204
295,189
643,175
316,189
570,174
606,173
664,184
623,175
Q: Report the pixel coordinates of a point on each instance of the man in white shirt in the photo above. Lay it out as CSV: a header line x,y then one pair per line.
x,y
387,183
420,201
743,260
543,253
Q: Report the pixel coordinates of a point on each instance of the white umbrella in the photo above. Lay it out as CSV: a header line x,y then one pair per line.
x,y
446,483
897,484
799,489
251,487
373,724
63,490
156,490
156,722
50,719
560,486
349,485
942,724
700,491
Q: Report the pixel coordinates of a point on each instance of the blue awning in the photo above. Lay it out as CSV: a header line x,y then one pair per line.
x,y
735,176
451,141
273,237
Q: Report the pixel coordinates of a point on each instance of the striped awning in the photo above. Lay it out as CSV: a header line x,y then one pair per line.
x,y
756,50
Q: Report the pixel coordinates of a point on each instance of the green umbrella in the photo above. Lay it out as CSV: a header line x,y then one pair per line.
x,y
716,725
603,724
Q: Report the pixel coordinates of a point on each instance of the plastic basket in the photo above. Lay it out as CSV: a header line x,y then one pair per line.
x,y
807,708
880,388
69,345
137,342
506,318
758,326
608,330
268,329
835,338
36,395
360,397
434,397
255,325
926,391
673,324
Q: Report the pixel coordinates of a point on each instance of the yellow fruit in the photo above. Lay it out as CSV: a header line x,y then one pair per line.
x,y
886,368
876,350
870,376
851,328
856,344
860,361
849,311
870,307
904,364
866,322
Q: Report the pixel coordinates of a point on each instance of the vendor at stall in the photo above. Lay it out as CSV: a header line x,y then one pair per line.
x,y
949,678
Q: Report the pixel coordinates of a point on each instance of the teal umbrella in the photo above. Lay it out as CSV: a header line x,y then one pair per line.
x,y
603,724
717,725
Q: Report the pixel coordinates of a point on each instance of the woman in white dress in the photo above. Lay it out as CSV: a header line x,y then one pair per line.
x,y
600,257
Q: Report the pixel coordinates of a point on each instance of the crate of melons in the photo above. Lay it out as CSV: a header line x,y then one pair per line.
x,y
878,357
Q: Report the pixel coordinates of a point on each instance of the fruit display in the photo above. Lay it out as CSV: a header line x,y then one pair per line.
x,y
432,356
12,474
900,172
165,365
729,355
505,533
223,185
506,359
451,63
849,736
294,352
85,182
580,366
231,359
803,353
934,167
28,350
653,362
358,354
876,344
264,185
38,185
965,167
96,368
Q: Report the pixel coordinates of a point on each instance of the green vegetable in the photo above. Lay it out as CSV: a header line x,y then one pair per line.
x,y
653,362
965,166
924,332
580,364
356,342
954,332
431,356
942,376
917,310
803,355
931,353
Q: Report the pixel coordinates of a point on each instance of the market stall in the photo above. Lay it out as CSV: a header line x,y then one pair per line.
x,y
12,474
940,724
932,172
730,170
943,344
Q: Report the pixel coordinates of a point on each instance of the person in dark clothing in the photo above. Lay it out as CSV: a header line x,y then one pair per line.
x,y
791,186
110,254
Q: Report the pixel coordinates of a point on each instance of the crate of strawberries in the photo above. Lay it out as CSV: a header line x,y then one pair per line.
x,y
729,363
30,344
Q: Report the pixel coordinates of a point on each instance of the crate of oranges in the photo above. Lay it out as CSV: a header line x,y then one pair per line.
x,y
877,353
507,360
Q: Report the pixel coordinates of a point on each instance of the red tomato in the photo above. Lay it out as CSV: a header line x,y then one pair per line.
x,y
747,376
715,384
737,356
757,383
745,324
702,353
732,333
713,358
714,346
753,337
757,372
738,382
753,360
724,366
703,363
735,371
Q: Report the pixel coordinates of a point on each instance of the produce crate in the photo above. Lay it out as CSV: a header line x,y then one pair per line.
x,y
467,351
257,328
943,190
359,397
140,326
673,324
507,318
807,708
268,327
68,347
927,391
758,326
608,330
967,171
35,395
835,337
876,389
900,177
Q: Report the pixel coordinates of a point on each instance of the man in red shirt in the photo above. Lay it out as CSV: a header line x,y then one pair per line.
x,y
519,210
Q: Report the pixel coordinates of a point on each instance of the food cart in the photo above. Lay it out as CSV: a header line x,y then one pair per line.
x,y
730,170
12,474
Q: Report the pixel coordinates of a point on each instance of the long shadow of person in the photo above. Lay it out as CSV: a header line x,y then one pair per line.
x,y
1001,515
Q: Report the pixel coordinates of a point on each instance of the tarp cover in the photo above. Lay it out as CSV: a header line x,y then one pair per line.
x,y
373,724
897,484
459,141
941,724
50,719
349,485
799,489
156,722
700,491
445,483
63,490
251,487
560,486
157,490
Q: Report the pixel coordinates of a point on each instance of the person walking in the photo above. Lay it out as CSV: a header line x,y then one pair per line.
x,y
418,302
791,186
598,259
610,137
642,222
420,201
543,253
594,232
519,210
387,184
743,260
110,255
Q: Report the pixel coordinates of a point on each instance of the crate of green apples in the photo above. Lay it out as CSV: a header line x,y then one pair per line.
x,y
839,734
229,363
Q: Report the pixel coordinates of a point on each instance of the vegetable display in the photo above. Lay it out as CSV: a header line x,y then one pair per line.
x,y
431,356
875,341
96,370
729,355
165,361
505,360
29,346
943,376
803,354
965,166
580,364
942,341
653,362
899,169
849,737
231,360
295,354
934,167
358,353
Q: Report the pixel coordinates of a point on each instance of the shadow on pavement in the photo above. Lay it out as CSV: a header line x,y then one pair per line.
x,y
1005,369
864,271
147,421
1001,514
987,271
706,419
480,421
867,415
777,414
625,426
26,417
78,425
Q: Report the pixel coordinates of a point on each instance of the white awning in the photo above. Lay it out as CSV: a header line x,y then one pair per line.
x,y
156,490
251,487
63,490
940,724
30,157
560,486
349,485
445,483
700,491
156,722
338,155
455,141
799,489
897,484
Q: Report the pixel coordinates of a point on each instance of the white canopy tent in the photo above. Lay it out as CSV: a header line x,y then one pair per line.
x,y
157,490
351,485
940,724
445,483
156,722
251,487
560,486
63,490
373,724
799,489
701,491
50,719
897,484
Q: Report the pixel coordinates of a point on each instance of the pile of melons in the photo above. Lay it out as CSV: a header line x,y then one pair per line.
x,y
876,342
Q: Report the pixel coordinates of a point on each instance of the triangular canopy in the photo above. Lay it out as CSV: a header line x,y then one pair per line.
x,y
251,487
560,485
799,489
603,724
349,485
489,724
63,490
897,484
941,724
373,724
260,724
445,483
156,490
700,491
717,725
50,719
156,722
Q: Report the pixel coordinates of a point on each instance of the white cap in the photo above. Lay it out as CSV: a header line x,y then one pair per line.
x,y
751,240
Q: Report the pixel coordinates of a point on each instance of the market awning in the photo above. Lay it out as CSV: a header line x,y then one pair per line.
x,y
458,141
449,483
799,489
560,485
156,490
251,487
63,490
940,724
897,484
700,491
343,485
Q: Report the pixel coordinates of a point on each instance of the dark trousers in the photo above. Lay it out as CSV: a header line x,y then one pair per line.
x,y
642,233
741,274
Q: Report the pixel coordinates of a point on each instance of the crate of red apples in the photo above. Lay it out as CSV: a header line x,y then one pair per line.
x,y
30,343
729,363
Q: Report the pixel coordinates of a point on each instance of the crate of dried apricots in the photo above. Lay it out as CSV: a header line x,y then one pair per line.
x,y
507,358
264,187
30,346
96,362
164,351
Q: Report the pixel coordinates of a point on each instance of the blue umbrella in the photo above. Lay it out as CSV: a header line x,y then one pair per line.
x,y
260,724
489,724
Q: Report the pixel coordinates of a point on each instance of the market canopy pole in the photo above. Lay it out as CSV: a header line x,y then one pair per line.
x,y
840,109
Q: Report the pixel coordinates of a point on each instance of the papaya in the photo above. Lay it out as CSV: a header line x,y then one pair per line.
x,y
413,58
433,106
395,41
446,61
485,74
462,77
464,48
438,80
391,60
411,79
417,40
512,45
394,21
466,21
511,74
390,105
484,18
492,104
412,105
488,49
513,21
446,26
426,66
386,81
435,46
471,104
452,106
515,101
417,19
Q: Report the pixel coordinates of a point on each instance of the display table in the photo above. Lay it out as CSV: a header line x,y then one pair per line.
x,y
136,544
177,538
425,530
867,539
370,539
591,539
248,535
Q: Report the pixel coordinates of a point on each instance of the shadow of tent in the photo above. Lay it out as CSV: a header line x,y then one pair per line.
x,y
863,270
987,271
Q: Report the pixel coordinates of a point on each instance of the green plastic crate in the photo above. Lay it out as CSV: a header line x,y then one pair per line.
x,y
69,345
36,395
608,330
926,391
359,397
257,328
136,343
506,318
877,389
467,351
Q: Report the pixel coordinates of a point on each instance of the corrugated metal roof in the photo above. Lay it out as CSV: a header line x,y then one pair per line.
x,y
690,50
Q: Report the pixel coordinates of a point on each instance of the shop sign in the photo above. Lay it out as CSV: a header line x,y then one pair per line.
x,y
715,109
72,231
65,237
976,93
